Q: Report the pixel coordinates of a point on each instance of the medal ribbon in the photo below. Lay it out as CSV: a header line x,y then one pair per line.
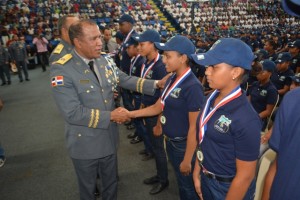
x,y
133,61
145,72
205,116
167,91
126,39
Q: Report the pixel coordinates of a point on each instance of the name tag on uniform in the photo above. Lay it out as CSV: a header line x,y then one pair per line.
x,y
84,81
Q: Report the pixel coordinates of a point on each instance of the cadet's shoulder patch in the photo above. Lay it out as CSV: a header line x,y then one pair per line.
x,y
63,59
58,49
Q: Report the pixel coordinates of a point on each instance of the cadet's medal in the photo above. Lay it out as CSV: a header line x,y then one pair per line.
x,y
200,156
163,119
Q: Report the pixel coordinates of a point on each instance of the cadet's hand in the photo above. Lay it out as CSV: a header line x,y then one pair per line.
x,y
119,115
157,130
197,183
265,138
185,168
161,83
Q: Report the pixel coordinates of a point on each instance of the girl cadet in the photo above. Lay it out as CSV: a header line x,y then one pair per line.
x,y
228,129
179,106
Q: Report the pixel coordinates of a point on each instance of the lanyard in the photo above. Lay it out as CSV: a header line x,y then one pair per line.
x,y
144,71
167,91
133,61
205,116
126,39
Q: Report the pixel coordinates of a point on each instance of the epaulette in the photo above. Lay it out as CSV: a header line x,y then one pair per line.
x,y
58,48
103,53
63,59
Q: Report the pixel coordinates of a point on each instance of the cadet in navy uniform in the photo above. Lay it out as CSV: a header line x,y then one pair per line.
x,y
285,142
136,64
263,94
17,52
228,128
270,46
279,77
153,68
126,23
82,84
65,46
294,49
179,106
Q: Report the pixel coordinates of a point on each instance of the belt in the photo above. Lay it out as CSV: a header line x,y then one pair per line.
x,y
176,139
218,178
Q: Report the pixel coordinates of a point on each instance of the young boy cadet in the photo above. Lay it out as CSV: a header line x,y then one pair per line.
x,y
279,77
153,68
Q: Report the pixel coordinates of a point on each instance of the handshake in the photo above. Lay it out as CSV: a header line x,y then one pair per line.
x,y
120,115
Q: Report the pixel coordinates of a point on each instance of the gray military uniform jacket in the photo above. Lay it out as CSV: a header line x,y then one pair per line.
x,y
86,104
4,56
60,50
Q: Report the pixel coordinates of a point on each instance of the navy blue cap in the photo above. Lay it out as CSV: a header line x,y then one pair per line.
x,y
148,36
177,43
261,54
268,65
119,35
296,44
130,42
292,7
126,18
283,57
295,78
227,50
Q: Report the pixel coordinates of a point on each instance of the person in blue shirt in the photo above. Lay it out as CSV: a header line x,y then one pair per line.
x,y
153,68
285,142
228,128
135,70
126,26
178,106
279,77
263,94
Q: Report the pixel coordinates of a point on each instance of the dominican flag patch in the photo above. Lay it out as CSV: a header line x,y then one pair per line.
x,y
57,81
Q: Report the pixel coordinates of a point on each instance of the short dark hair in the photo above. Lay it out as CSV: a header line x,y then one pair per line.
x,y
62,22
76,29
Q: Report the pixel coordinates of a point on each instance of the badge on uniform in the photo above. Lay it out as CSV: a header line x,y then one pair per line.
x,y
57,81
263,93
175,93
163,119
200,156
222,124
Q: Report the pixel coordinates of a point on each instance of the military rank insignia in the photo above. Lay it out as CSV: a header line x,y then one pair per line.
x,y
57,81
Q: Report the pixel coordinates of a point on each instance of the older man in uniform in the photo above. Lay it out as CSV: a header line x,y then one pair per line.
x,y
4,66
82,84
65,46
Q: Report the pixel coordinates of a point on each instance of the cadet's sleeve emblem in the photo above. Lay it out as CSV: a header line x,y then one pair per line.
x,y
64,59
58,49
57,81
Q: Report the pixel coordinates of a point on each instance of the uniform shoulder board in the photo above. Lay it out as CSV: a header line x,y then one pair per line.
x,y
58,49
103,53
63,59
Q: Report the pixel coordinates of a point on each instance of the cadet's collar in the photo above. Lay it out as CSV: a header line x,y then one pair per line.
x,y
84,59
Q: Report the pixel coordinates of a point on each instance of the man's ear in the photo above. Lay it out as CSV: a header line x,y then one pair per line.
x,y
77,43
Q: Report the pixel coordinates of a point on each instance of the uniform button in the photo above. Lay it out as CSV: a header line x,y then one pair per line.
x,y
87,91
105,101
79,135
92,86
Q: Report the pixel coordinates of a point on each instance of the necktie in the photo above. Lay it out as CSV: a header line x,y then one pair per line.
x,y
106,48
91,64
